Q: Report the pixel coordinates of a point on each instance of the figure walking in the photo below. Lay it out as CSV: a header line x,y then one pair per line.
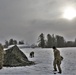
x,y
57,59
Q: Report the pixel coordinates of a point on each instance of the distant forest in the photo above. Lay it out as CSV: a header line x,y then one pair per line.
x,y
54,40
13,42
49,42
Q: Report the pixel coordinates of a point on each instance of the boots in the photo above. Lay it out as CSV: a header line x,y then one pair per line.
x,y
60,72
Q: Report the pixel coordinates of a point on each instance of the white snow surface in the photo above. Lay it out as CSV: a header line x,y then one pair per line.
x,y
44,63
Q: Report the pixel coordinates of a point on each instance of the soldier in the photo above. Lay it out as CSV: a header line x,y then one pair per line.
x,y
1,56
57,60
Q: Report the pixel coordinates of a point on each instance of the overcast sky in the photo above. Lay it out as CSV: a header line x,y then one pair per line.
x,y
26,19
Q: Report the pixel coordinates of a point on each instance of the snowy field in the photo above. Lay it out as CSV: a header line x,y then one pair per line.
x,y
44,60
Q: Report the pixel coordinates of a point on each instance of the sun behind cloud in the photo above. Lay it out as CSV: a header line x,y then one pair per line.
x,y
69,13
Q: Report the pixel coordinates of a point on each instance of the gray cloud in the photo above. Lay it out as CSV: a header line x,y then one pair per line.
x,y
26,19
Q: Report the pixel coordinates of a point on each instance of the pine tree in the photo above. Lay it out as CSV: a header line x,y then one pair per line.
x,y
11,42
49,41
41,41
6,44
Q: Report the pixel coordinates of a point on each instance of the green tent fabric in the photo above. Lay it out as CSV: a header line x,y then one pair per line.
x,y
15,57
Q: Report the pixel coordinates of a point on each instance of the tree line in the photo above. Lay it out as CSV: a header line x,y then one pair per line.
x,y
13,42
54,40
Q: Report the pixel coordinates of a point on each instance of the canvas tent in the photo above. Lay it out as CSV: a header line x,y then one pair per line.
x,y
15,57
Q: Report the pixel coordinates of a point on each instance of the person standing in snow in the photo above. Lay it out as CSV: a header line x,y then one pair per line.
x,y
1,56
57,59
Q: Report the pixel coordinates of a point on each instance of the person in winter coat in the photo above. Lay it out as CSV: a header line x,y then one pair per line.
x,y
57,59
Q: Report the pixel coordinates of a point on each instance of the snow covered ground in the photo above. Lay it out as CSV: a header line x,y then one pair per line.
x,y
44,60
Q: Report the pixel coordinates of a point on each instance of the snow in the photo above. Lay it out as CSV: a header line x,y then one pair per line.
x,y
20,46
44,60
9,47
